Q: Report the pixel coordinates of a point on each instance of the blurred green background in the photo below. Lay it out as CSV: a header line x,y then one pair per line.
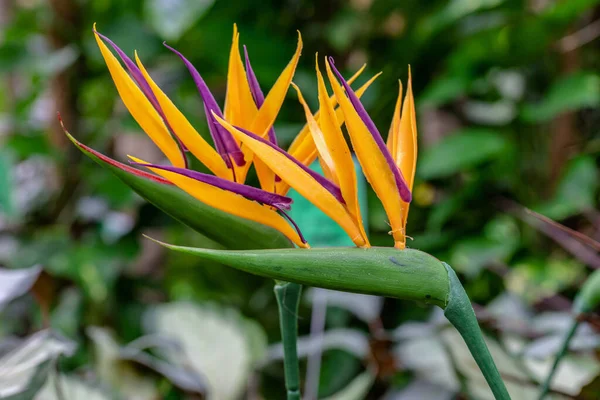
x,y
508,96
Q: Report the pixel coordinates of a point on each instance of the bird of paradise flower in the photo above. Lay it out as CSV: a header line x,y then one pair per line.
x,y
243,135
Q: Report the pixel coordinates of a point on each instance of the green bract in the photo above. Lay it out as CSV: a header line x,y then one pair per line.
x,y
230,231
404,274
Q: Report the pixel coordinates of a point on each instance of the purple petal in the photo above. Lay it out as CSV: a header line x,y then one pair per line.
x,y
259,97
214,132
144,86
326,183
249,192
293,223
229,145
403,189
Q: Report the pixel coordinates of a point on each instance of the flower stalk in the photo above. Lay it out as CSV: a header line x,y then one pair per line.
x,y
288,300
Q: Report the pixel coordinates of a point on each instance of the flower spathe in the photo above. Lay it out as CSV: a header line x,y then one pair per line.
x,y
243,135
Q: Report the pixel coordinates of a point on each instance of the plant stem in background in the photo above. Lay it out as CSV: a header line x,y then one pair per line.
x,y
460,313
587,300
288,300
561,353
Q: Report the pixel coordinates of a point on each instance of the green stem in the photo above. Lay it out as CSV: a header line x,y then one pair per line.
x,y
559,356
586,301
460,313
288,300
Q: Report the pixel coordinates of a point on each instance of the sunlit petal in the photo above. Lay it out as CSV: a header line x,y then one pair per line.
x,y
224,142
195,143
340,153
140,107
230,202
309,184
303,147
374,164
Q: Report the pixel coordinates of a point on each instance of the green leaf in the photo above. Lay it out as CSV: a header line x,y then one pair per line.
x,y
497,243
579,90
443,90
405,274
171,18
218,343
228,230
459,151
576,191
357,389
6,201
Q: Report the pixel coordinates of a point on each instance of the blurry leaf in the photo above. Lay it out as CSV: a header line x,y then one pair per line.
x,y
352,341
443,90
564,11
6,200
357,389
579,245
576,191
113,371
507,364
453,11
460,151
536,278
499,241
364,307
182,376
216,343
16,282
72,388
579,90
342,30
24,369
172,18
421,389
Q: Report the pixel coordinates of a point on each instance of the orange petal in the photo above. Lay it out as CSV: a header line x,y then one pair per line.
x,y
195,143
373,162
319,140
229,202
406,147
303,147
300,180
265,117
240,108
272,104
140,107
340,154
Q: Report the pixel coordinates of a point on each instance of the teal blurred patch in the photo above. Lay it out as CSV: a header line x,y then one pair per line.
x,y
318,229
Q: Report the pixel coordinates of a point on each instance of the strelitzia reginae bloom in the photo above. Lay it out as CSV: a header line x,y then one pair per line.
x,y
243,135
249,225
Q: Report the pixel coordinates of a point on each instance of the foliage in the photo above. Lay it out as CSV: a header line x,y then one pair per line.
x,y
508,114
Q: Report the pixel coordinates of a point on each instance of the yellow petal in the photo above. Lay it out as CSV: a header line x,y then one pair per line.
x,y
272,104
240,109
229,202
407,137
340,154
197,145
265,117
319,139
303,147
140,108
300,180
374,164
305,131
406,146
